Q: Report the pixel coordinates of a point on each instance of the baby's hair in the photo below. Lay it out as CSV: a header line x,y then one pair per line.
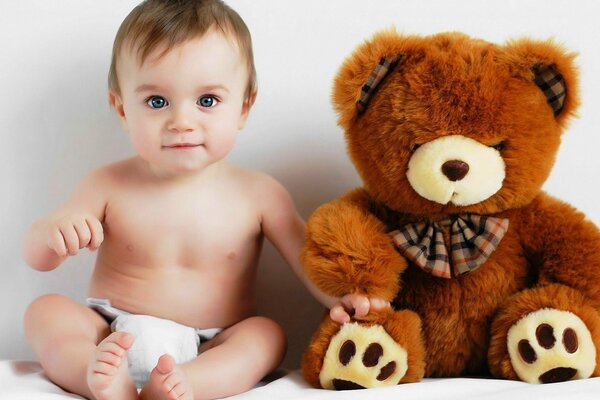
x,y
155,23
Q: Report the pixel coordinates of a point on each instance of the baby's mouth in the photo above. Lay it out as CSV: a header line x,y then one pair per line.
x,y
182,146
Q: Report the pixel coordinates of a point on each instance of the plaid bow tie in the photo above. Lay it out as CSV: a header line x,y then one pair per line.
x,y
473,237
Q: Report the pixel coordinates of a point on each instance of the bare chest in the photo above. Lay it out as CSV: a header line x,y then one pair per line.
x,y
182,228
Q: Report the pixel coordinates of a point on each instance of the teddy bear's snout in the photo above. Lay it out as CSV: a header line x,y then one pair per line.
x,y
455,170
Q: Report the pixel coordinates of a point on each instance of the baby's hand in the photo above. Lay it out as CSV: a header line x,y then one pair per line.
x,y
357,306
70,233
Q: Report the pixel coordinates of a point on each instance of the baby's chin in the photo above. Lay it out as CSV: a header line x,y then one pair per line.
x,y
177,170
194,168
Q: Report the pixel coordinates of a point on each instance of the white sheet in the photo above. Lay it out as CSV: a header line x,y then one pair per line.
x,y
24,380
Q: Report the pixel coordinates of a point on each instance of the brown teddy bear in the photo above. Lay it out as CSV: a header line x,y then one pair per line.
x,y
453,138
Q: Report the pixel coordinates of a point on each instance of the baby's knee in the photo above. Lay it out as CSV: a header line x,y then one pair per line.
x,y
269,333
39,309
53,316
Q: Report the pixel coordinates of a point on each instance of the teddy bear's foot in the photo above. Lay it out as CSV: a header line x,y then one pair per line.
x,y
549,345
385,348
362,356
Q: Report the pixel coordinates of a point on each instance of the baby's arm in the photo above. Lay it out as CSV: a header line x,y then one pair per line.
x,y
284,227
75,225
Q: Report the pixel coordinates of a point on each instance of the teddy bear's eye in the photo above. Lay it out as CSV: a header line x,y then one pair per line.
x,y
499,146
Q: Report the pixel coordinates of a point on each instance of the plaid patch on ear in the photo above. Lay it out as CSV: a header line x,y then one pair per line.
x,y
552,84
385,66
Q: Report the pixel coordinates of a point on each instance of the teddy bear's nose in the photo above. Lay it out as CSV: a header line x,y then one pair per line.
x,y
455,170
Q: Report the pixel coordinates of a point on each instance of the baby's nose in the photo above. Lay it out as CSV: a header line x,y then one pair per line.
x,y
181,122
455,170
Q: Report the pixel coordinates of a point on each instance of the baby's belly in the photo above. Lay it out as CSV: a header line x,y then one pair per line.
x,y
196,297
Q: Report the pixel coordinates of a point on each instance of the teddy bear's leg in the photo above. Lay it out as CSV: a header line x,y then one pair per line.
x,y
546,334
385,349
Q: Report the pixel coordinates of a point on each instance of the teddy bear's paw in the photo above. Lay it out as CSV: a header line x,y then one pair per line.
x,y
549,345
361,357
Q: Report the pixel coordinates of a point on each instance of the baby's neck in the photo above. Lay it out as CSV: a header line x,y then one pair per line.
x,y
164,176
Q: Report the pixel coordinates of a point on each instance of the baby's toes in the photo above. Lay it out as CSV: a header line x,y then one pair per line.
x,y
122,340
176,385
167,381
165,365
176,388
109,358
107,374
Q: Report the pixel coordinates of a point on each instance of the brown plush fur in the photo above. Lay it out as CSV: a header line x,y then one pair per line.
x,y
451,84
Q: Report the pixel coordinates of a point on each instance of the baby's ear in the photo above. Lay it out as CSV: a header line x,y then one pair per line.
x,y
364,72
246,106
114,99
552,69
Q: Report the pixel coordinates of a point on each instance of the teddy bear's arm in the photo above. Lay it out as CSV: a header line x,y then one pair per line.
x,y
347,250
564,246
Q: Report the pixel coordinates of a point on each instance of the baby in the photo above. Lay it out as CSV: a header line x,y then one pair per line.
x,y
178,228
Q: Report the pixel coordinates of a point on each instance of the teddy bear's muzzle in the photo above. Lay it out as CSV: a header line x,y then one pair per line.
x,y
456,169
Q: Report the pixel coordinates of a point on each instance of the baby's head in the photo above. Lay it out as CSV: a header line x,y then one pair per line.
x,y
182,81
160,25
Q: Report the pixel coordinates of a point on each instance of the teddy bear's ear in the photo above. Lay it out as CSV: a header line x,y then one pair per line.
x,y
551,82
551,68
365,70
385,66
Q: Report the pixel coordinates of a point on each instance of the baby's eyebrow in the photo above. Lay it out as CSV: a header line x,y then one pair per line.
x,y
209,88
147,88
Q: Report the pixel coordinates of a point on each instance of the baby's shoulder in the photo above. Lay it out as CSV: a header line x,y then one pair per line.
x,y
111,175
255,181
264,191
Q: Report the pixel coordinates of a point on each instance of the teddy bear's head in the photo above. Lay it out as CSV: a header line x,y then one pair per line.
x,y
450,124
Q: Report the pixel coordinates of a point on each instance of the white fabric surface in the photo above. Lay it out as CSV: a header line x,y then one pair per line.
x,y
24,380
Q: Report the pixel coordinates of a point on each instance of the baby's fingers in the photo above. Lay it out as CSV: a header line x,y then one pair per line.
x,y
56,242
379,304
70,237
338,314
83,233
96,231
357,303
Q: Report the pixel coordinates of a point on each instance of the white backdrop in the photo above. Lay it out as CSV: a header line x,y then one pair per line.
x,y
56,125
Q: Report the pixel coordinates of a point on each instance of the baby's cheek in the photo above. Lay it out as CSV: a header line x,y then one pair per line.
x,y
223,141
144,145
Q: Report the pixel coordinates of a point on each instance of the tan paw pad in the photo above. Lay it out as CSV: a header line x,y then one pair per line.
x,y
362,357
549,346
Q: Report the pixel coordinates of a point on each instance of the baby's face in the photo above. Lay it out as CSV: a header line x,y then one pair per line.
x,y
184,109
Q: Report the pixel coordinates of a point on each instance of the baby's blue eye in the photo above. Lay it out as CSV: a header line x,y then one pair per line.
x,y
207,101
157,102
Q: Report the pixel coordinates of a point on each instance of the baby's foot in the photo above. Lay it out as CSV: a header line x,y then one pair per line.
x,y
167,381
107,374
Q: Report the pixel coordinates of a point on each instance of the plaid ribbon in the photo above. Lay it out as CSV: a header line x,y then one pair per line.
x,y
473,239
385,66
552,83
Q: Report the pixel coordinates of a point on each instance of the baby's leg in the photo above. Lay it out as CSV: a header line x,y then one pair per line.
x,y
64,335
233,362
